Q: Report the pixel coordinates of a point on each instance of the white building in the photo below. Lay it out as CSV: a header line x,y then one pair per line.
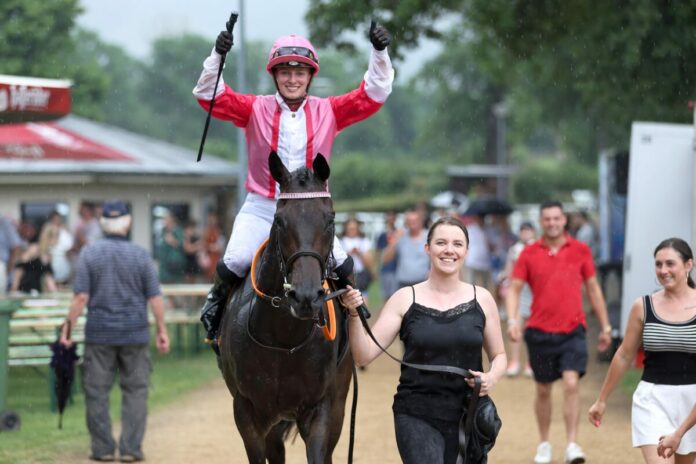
x,y
58,165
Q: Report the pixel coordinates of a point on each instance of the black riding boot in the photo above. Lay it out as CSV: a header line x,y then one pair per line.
x,y
214,307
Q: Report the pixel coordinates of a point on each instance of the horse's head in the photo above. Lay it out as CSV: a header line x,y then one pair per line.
x,y
303,232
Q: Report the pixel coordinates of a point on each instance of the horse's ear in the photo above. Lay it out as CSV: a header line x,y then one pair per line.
x,y
321,167
277,168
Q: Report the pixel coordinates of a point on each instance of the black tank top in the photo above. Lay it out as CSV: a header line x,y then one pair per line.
x,y
453,337
670,349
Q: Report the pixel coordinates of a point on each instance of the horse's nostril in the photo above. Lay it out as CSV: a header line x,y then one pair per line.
x,y
292,294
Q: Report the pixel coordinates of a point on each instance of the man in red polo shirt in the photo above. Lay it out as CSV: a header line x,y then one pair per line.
x,y
556,267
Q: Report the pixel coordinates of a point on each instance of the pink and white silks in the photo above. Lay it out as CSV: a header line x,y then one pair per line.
x,y
297,137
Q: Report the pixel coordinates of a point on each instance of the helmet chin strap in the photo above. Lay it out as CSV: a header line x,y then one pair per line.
x,y
293,101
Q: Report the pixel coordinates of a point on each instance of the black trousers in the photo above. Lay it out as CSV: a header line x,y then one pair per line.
x,y
429,441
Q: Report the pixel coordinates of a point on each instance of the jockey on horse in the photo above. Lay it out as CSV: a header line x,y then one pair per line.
x,y
293,124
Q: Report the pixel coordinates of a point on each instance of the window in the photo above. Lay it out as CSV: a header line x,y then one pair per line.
x,y
33,215
179,212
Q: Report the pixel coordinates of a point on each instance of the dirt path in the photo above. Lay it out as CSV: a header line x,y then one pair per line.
x,y
200,427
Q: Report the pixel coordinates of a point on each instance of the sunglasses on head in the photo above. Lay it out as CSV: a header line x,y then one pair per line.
x,y
296,51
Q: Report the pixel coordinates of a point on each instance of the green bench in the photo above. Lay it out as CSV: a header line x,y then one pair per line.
x,y
36,324
29,325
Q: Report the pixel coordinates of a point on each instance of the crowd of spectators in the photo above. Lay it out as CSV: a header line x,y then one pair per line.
x,y
39,255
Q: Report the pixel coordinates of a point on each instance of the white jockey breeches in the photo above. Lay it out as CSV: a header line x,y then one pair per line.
x,y
251,228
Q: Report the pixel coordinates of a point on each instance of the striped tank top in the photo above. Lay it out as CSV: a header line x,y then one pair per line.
x,y
670,349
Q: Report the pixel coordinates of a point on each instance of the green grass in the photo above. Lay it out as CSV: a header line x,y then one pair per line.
x,y
39,439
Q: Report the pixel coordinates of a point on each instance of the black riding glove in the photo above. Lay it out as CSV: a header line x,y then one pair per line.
x,y
379,36
223,44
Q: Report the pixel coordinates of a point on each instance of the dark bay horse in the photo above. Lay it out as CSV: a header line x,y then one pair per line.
x,y
275,360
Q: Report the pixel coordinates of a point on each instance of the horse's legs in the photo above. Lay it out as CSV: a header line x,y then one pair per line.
x,y
338,405
314,429
254,441
275,448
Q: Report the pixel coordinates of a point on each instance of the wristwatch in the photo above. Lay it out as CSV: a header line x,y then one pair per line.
x,y
607,329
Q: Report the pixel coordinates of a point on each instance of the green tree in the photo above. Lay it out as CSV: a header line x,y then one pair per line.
x,y
462,126
357,176
592,64
408,21
122,104
35,35
614,65
170,74
39,39
544,178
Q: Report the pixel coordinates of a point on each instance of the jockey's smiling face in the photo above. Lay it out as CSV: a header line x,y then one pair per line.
x,y
292,81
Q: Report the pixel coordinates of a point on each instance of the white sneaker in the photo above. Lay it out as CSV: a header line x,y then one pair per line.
x,y
513,370
543,454
574,454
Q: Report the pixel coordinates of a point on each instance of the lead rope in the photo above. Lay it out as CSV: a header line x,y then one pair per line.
x,y
353,415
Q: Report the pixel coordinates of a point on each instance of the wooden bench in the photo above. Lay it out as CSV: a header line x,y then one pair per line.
x,y
34,326
37,324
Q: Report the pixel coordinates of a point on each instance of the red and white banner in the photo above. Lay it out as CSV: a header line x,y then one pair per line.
x,y
46,140
33,99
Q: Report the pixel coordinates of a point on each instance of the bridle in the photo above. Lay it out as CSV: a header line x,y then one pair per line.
x,y
285,266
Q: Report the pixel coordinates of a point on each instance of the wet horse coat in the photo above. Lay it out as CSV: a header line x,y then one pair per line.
x,y
275,360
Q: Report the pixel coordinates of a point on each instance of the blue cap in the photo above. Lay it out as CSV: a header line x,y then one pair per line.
x,y
114,208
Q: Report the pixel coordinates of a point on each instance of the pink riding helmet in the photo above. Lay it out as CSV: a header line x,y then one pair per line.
x,y
292,50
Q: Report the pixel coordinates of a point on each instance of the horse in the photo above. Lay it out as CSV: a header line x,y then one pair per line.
x,y
277,364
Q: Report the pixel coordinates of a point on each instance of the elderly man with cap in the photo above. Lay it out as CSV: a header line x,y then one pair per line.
x,y
117,279
295,125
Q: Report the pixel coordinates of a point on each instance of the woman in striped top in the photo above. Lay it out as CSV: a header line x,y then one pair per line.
x,y
664,323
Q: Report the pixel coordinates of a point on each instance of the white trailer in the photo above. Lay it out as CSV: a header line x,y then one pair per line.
x,y
660,202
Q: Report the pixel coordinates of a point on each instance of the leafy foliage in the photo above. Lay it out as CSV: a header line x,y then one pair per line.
x,y
544,178
359,175
35,35
39,39
408,20
573,75
462,98
592,67
614,65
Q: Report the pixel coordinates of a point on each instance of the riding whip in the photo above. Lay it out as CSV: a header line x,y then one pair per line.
x,y
229,26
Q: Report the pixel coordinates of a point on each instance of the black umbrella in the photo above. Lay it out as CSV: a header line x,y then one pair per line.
x,y
63,364
488,205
